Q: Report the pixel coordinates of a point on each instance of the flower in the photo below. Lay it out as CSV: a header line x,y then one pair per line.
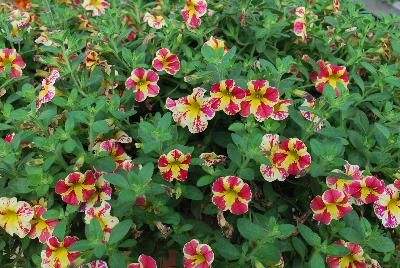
x,y
174,165
196,255
42,228
300,24
387,207
144,262
269,145
95,264
342,184
156,22
115,151
367,189
192,111
231,193
47,90
102,193
96,6
281,110
144,83
102,214
332,205
292,155
260,100
330,74
10,56
166,61
212,159
309,102
92,59
226,96
193,10
76,187
15,216
355,258
336,5
216,44
57,255
9,137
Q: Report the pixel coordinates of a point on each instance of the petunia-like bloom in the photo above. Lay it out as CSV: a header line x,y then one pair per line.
x,y
330,74
98,7
292,155
166,61
144,83
102,214
216,44
196,255
227,96
15,216
174,165
92,59
300,24
269,145
10,56
231,193
47,90
309,102
156,22
115,151
336,5
41,228
332,205
212,159
260,100
76,187
342,184
355,258
281,110
192,111
95,264
193,10
103,192
9,137
57,255
387,208
366,190
144,262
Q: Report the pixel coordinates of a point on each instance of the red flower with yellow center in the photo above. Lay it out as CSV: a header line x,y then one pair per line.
x,y
41,228
144,262
10,57
144,83
281,110
226,96
355,258
174,165
47,90
115,151
9,137
92,59
103,192
387,207
57,255
196,255
156,22
166,61
216,44
343,184
193,10
332,205
260,100
76,187
269,145
102,214
330,74
98,7
15,216
366,190
231,193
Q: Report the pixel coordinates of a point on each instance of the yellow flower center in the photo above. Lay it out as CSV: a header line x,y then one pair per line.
x,y
230,196
11,216
141,82
199,259
292,156
394,205
333,79
61,254
258,96
40,223
194,108
95,3
6,61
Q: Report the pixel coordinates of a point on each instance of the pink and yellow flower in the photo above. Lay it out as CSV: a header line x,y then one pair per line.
x,y
355,258
231,193
15,216
336,5
342,184
47,90
227,96
269,145
166,61
174,165
9,137
260,100
196,255
95,264
144,83
309,102
330,74
102,214
92,59
281,110
76,187
57,255
98,7
332,205
216,44
387,207
300,24
156,22
10,56
366,190
103,192
192,111
115,151
193,10
41,228
144,262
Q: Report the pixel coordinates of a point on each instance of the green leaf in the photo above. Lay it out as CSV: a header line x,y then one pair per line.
x,y
117,180
250,230
191,192
59,231
146,172
336,250
94,231
208,53
226,249
317,261
117,260
267,253
381,243
106,164
285,230
311,238
351,235
81,245
299,246
234,154
100,127
204,180
119,231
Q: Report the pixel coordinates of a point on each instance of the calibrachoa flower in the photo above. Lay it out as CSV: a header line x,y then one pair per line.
x,y
231,193
166,61
260,100
15,216
216,44
102,214
115,151
174,165
330,74
57,255
309,102
355,258
227,96
76,187
192,111
336,5
95,264
212,159
281,110
98,7
10,56
144,83
144,262
103,192
196,255
292,156
41,228
47,90
192,12
332,205
366,190
299,25
156,22
269,145
9,137
92,59
387,208
342,184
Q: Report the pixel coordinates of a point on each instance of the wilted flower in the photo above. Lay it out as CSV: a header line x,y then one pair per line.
x,y
47,90
300,24
156,22
76,187
174,165
95,264
102,214
309,102
355,258
212,159
192,12
57,255
144,83
227,96
336,5
19,20
269,145
10,56
330,74
342,184
216,44
92,59
387,208
366,190
15,216
332,205
41,228
281,110
196,255
98,7
144,262
166,61
231,193
115,151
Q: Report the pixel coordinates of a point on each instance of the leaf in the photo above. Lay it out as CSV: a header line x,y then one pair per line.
x,y
100,127
317,261
299,246
208,53
204,180
381,243
337,250
351,235
285,230
146,172
119,231
81,245
59,231
191,192
227,250
106,164
250,230
234,154
267,253
94,231
311,238
116,260
117,180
